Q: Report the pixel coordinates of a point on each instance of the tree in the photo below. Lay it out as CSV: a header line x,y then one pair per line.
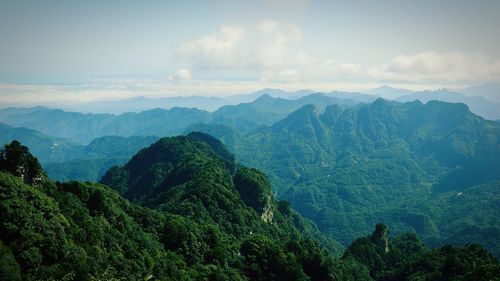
x,y
17,160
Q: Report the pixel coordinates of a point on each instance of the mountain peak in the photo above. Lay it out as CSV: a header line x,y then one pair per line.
x,y
264,98
306,111
304,122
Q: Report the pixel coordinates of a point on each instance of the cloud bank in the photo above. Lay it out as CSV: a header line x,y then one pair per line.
x,y
269,54
274,51
453,66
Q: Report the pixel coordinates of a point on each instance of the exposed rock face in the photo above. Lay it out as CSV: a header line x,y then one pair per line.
x,y
267,214
380,237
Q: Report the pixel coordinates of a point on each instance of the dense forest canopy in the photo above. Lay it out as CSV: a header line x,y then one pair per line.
x,y
192,217
417,167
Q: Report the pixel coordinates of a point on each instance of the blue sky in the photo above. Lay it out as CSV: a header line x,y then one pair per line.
x,y
89,50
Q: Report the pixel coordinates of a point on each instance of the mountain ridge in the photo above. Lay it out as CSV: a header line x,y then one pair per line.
x,y
401,163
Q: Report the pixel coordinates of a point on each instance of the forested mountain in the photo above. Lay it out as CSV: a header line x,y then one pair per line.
x,y
64,160
420,167
83,128
208,219
406,258
267,110
243,112
195,215
90,162
45,147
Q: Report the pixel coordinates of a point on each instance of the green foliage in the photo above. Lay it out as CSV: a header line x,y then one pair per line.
x,y
433,169
266,110
64,160
9,267
218,148
45,148
199,229
265,260
253,187
408,259
192,176
17,160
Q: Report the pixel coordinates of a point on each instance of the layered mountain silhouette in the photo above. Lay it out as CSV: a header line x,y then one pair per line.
x,y
83,128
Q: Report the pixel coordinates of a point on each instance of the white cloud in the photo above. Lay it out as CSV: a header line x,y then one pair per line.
x,y
215,48
182,75
275,51
286,75
267,46
271,50
428,66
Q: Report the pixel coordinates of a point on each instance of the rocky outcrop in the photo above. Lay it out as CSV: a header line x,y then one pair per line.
x,y
380,237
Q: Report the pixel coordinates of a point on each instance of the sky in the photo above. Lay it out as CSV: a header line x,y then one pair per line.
x,y
83,51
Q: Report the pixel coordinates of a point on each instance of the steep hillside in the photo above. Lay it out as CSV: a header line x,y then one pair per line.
x,y
93,160
196,177
226,226
406,164
205,228
46,148
65,160
406,258
266,110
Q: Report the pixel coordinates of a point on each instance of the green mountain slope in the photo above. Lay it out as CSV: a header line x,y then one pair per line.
x,y
46,148
406,258
266,110
65,160
405,164
87,231
90,162
196,177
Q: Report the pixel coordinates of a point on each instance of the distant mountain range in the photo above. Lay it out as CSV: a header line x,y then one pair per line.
x,y
267,110
490,91
479,105
387,92
210,103
82,128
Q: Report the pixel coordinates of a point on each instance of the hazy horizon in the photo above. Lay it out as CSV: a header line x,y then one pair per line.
x,y
80,52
